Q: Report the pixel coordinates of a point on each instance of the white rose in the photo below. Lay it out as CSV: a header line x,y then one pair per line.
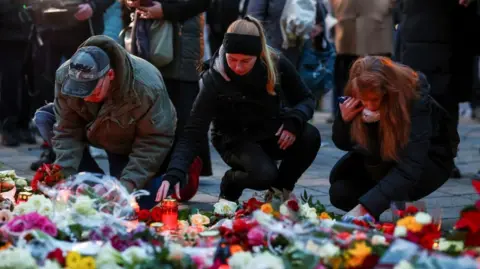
x,y
262,218
39,201
134,255
379,240
444,244
400,231
17,258
176,252
49,264
404,265
225,208
284,210
84,206
266,260
108,256
423,218
199,219
328,250
240,260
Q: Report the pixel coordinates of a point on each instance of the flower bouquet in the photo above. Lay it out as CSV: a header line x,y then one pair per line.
x,y
47,174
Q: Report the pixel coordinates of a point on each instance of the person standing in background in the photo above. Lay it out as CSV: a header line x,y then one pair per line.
x,y
181,75
364,27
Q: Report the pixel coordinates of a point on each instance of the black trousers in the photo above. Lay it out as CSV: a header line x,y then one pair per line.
x,y
253,165
14,88
183,94
349,180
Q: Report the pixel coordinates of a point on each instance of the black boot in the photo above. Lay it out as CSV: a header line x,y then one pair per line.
x,y
10,133
228,190
47,157
455,172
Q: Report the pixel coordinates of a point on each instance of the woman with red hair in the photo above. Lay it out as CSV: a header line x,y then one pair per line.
x,y
401,143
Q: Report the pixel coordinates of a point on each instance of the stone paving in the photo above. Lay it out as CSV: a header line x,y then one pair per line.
x,y
449,199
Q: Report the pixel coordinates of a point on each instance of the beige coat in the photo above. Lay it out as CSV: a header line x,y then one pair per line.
x,y
365,27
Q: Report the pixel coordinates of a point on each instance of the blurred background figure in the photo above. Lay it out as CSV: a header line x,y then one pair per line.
x,y
15,74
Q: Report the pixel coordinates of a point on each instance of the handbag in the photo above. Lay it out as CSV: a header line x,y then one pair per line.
x,y
160,37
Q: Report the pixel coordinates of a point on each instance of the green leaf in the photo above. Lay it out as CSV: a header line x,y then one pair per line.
x,y
183,214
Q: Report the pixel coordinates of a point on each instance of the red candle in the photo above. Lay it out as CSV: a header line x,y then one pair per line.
x,y
170,213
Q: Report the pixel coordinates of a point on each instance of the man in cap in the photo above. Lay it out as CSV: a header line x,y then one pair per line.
x,y
110,99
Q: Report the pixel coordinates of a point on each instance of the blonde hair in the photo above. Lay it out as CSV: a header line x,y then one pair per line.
x,y
251,26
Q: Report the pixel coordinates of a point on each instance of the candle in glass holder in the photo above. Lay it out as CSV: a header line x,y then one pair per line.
x,y
209,239
170,213
158,226
24,196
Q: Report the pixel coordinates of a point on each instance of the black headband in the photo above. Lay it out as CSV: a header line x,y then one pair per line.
x,y
242,44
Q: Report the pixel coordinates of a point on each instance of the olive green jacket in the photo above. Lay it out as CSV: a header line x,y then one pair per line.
x,y
137,119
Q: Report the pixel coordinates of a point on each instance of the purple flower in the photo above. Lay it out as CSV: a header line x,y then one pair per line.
x,y
34,220
95,236
119,243
107,232
17,225
256,236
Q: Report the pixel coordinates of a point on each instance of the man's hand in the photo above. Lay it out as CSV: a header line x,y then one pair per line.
x,y
163,191
84,12
153,12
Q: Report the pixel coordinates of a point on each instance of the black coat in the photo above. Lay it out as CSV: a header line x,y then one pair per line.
x,y
437,39
433,135
240,114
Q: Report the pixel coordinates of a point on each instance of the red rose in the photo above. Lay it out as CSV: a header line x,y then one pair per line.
x,y
156,214
344,236
34,185
427,241
240,226
369,262
413,237
411,210
293,205
143,215
57,255
252,204
473,239
361,223
388,228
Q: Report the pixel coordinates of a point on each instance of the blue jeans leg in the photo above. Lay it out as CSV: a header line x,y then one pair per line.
x,y
44,120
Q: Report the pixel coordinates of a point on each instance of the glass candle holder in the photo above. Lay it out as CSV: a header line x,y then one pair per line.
x,y
157,226
208,239
170,213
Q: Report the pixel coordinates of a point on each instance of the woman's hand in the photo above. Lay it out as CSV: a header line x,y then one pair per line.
x,y
350,108
286,138
153,12
133,3
162,192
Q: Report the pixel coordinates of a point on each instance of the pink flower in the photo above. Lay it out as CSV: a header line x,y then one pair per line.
x,y
17,225
360,236
49,228
199,262
34,220
256,236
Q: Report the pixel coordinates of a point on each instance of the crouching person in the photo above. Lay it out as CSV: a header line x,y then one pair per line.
x,y
110,99
400,141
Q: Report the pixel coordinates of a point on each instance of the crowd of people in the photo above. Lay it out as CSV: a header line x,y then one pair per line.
x,y
130,78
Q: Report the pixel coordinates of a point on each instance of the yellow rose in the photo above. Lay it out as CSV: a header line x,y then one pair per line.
x,y
324,215
73,260
199,220
87,263
267,208
410,223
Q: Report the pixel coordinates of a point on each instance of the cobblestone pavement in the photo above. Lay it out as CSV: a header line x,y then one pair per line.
x,y
450,198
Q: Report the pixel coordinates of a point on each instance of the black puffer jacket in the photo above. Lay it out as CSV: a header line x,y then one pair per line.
x,y
433,135
240,114
13,23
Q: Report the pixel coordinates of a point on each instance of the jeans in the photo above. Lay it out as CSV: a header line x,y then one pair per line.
x,y
45,119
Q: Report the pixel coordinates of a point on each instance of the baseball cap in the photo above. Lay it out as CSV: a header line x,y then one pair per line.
x,y
87,66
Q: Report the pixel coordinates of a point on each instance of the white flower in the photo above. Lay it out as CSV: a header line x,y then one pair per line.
x,y
134,255
284,210
262,218
423,218
444,244
8,173
240,260
36,203
400,231
379,240
176,252
199,219
49,264
225,208
403,264
328,250
17,258
84,206
266,260
108,256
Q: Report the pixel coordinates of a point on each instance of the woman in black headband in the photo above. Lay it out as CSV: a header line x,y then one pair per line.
x,y
259,108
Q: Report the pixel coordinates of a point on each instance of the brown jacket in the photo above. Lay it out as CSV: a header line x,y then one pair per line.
x,y
365,27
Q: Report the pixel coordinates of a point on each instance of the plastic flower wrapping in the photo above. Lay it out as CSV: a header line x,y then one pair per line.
x,y
91,221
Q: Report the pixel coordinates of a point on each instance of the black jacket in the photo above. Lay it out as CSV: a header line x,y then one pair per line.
x,y
14,25
433,135
239,114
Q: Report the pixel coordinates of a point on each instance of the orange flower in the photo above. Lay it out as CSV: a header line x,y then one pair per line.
x,y
410,223
324,215
235,248
267,208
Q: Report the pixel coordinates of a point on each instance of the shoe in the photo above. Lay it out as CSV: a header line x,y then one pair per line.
x,y
228,190
455,173
27,136
47,157
189,190
10,133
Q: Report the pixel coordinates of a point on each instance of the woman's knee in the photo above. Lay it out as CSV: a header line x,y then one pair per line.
x,y
311,136
340,197
265,175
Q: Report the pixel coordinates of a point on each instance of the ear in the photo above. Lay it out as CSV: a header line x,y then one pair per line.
x,y
111,74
